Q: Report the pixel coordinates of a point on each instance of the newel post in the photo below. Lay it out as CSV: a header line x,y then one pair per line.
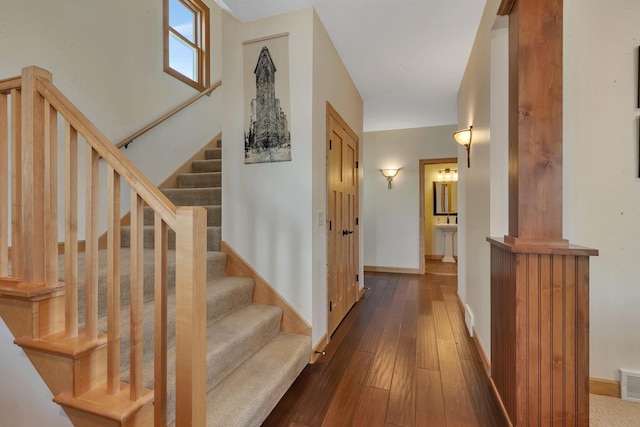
x,y
33,239
191,312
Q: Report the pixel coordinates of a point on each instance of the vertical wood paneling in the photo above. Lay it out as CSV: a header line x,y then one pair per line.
x,y
546,382
531,353
544,346
71,230
91,246
582,338
570,305
113,281
4,185
16,182
137,303
559,334
160,323
503,351
51,194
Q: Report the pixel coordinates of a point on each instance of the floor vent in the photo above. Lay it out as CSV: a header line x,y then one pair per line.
x,y
630,385
468,318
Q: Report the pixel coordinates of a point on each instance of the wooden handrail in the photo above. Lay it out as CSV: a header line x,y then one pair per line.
x,y
10,83
125,142
132,175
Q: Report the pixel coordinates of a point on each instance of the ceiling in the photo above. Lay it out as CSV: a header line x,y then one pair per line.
x,y
406,57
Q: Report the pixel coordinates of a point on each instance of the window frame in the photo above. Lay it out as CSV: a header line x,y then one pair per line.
x,y
201,36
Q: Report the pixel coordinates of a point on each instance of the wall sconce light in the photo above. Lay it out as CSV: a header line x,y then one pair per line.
x,y
389,174
463,137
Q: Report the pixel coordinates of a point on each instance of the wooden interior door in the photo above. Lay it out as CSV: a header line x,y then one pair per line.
x,y
342,219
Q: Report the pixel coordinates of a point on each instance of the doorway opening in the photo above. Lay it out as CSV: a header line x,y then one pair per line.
x,y
438,215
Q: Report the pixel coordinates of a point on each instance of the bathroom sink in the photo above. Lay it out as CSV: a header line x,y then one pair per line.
x,y
447,227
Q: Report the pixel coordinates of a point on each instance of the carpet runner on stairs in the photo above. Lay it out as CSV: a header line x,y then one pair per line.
x,y
250,363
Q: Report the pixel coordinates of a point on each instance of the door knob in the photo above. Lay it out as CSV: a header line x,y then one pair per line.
x,y
345,232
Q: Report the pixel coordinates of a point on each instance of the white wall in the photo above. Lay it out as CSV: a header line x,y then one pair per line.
x,y
392,217
271,208
601,185
474,107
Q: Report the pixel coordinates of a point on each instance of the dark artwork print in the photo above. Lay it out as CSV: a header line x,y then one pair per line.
x,y
268,138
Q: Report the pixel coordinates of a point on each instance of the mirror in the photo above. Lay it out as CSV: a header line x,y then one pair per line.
x,y
445,198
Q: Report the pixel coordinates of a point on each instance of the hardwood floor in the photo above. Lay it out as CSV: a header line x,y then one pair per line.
x,y
401,357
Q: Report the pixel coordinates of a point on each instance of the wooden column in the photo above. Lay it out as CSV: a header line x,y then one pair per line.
x,y
539,282
33,180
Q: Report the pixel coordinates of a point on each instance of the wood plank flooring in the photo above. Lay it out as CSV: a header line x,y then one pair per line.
x,y
401,357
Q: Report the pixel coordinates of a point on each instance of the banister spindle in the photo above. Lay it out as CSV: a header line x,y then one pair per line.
x,y
91,247
137,297
113,281
71,230
4,185
160,322
16,182
51,194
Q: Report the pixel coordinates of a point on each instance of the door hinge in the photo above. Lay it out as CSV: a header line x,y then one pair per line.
x,y
330,306
330,225
357,277
356,165
357,221
330,145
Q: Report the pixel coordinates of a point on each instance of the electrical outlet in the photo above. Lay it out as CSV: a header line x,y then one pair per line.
x,y
320,218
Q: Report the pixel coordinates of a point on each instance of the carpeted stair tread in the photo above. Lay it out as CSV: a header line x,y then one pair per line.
x,y
213,237
233,339
230,342
224,296
213,153
214,215
214,165
216,264
194,196
199,180
247,396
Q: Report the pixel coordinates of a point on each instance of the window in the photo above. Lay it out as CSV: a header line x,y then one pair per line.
x,y
186,38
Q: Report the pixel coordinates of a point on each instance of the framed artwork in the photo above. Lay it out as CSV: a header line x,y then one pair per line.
x,y
267,108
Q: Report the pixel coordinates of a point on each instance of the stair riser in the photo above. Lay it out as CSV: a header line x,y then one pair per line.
x,y
214,216
194,196
213,153
199,180
213,238
199,166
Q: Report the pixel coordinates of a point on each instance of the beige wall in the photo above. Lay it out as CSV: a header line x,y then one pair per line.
x,y
601,184
331,83
106,57
272,209
474,182
392,217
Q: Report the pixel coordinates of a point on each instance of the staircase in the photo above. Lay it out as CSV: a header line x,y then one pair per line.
x,y
250,364
250,361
